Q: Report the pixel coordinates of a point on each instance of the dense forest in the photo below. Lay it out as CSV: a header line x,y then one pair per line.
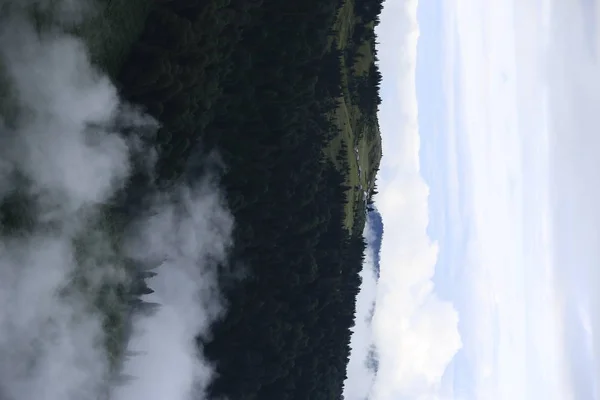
x,y
253,89
257,81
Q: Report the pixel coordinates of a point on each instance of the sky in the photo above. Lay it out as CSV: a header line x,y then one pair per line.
x,y
489,280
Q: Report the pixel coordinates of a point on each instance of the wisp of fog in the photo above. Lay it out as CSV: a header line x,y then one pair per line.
x,y
61,163
187,228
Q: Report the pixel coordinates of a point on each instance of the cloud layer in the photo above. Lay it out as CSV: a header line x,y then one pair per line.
x,y
416,332
360,376
521,81
573,92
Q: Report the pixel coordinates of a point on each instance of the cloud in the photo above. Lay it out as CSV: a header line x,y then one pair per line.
x,y
359,374
573,91
190,229
416,332
526,87
498,194
61,162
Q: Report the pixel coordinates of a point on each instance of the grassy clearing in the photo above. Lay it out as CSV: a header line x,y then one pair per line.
x,y
355,131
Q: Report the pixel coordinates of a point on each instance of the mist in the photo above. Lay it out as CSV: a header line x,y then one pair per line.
x,y
62,162
360,375
188,228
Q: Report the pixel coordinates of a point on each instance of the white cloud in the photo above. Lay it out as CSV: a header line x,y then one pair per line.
x,y
190,229
507,140
573,96
415,331
494,286
359,377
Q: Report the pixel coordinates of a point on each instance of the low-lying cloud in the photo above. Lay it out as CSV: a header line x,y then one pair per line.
x,y
415,331
190,230
360,375
62,161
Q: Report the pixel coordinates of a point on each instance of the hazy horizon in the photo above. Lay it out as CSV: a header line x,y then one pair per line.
x,y
494,106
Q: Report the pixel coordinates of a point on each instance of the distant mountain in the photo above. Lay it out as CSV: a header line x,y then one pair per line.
x,y
376,226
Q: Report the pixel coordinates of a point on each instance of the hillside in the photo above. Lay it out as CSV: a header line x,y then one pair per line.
x,y
277,103
356,114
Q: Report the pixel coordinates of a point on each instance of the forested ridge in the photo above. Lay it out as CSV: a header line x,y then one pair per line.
x,y
258,81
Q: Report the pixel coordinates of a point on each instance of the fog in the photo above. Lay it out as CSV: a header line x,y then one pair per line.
x,y
188,228
61,163
360,374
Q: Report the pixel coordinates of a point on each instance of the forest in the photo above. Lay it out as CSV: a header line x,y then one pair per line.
x,y
257,80
256,87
